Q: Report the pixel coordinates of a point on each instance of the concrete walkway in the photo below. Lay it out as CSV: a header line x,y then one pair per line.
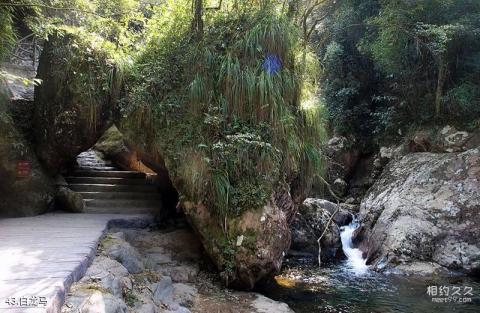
x,y
41,256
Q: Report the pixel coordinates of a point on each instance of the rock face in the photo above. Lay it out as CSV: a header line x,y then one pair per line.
x,y
310,222
445,139
260,238
424,208
72,103
20,196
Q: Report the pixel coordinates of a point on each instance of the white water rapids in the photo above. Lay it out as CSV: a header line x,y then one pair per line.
x,y
354,256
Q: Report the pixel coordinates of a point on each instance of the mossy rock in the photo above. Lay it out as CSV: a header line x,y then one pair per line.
x,y
111,143
72,104
69,200
24,196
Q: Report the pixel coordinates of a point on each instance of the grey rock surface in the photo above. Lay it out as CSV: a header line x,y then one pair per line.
x,y
424,208
124,253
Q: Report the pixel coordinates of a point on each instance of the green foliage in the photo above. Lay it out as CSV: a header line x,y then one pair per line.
x,y
348,80
86,73
388,64
7,34
229,128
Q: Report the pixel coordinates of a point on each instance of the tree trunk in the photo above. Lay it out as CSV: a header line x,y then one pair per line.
x,y
197,23
442,77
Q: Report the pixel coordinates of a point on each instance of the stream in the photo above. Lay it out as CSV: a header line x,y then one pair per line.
x,y
350,287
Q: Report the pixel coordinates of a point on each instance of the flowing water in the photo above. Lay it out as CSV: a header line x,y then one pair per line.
x,y
351,287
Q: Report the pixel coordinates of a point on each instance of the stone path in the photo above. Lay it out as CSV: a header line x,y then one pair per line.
x,y
42,256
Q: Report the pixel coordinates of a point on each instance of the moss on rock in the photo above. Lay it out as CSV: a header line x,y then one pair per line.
x,y
74,100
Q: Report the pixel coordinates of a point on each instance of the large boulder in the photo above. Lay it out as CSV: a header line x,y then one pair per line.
x,y
27,191
310,223
74,100
424,208
247,247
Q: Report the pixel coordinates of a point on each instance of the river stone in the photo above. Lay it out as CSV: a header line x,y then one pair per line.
x,y
26,196
95,301
124,253
343,216
420,269
182,273
146,308
265,305
309,225
424,208
179,309
184,294
157,259
163,291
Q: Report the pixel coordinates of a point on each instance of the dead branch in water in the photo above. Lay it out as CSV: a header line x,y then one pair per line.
x,y
324,231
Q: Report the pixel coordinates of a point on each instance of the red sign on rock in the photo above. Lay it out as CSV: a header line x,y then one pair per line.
x,y
24,169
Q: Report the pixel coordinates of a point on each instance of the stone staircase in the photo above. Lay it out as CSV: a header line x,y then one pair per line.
x,y
108,189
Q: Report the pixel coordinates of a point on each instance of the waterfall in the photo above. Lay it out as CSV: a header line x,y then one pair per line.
x,y
355,261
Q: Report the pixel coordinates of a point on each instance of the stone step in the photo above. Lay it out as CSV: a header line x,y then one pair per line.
x,y
121,195
105,180
122,203
119,174
112,187
119,210
96,168
94,164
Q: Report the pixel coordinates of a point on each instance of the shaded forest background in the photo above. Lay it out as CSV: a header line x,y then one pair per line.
x,y
385,65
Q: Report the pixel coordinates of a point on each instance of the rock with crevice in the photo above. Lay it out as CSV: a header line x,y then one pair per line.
x,y
111,275
184,294
424,208
182,273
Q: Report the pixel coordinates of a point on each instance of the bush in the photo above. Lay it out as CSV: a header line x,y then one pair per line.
x,y
232,114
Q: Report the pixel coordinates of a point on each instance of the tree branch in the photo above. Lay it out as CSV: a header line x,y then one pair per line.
x,y
324,232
